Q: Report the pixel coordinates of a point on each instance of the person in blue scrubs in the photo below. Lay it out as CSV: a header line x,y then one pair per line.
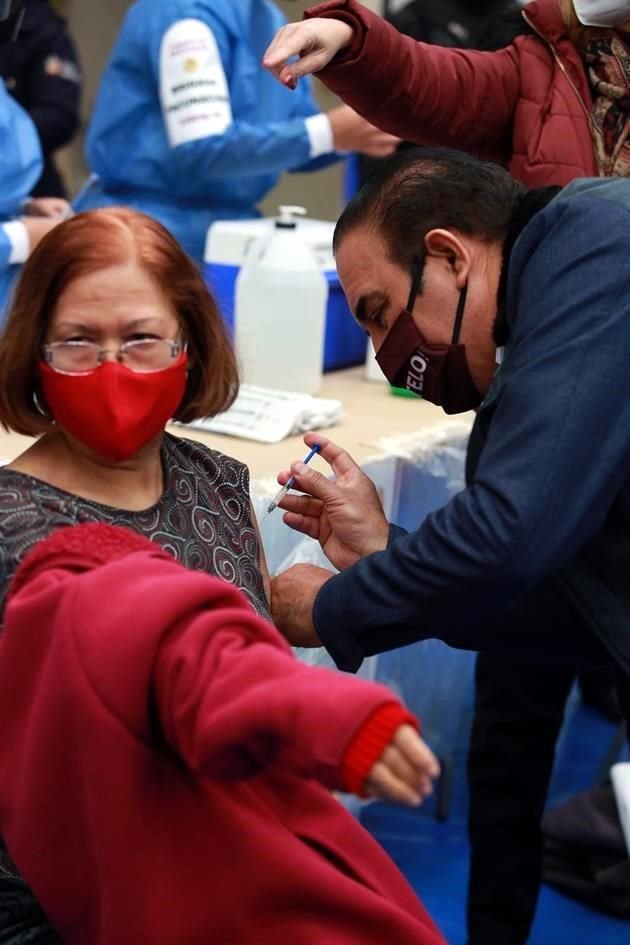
x,y
20,168
189,128
20,158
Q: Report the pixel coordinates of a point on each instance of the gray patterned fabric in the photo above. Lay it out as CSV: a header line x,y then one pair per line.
x,y
203,519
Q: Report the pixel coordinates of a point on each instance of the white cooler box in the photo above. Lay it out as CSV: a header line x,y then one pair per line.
x,y
345,342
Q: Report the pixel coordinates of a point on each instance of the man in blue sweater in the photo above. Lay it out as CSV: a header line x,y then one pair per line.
x,y
534,555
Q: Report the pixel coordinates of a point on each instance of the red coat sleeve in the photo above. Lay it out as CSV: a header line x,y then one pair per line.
x,y
423,93
144,639
232,699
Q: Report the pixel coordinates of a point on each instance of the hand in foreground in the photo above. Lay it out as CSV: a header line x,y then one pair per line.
x,y
346,516
293,594
314,41
351,132
405,771
55,207
38,227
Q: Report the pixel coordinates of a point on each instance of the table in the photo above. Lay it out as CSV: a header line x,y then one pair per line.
x,y
371,412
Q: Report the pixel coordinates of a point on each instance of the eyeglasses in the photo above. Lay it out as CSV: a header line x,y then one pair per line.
x,y
83,357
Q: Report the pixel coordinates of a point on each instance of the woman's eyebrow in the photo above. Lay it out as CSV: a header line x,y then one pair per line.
x,y
82,326
66,324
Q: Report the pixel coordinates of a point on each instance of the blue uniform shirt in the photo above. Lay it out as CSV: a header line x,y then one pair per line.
x,y
188,126
20,169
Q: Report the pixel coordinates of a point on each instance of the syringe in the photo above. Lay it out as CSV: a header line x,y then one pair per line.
x,y
289,485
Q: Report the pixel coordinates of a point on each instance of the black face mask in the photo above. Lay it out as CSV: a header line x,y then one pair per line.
x,y
439,372
11,13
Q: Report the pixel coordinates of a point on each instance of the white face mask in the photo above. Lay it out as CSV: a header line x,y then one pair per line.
x,y
601,12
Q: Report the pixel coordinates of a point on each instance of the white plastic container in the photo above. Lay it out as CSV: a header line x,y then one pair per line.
x,y
226,249
280,311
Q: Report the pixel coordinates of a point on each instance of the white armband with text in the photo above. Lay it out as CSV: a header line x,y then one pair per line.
x,y
17,234
194,92
320,135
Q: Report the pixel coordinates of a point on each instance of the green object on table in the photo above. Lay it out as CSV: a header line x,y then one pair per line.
x,y
403,392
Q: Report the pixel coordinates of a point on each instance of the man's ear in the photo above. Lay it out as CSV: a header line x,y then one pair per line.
x,y
448,245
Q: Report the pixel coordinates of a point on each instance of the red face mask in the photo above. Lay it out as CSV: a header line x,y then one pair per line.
x,y
439,372
114,411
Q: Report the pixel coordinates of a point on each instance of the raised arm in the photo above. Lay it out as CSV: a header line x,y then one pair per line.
x,y
419,92
134,640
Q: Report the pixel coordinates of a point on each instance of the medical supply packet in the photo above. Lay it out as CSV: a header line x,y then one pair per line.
x,y
267,415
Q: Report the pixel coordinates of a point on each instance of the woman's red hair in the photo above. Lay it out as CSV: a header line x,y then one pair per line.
x,y
82,245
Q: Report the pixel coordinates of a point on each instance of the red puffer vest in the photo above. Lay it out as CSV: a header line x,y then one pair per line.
x,y
527,105
551,139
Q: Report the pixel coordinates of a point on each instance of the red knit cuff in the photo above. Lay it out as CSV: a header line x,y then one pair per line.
x,y
84,546
370,742
333,11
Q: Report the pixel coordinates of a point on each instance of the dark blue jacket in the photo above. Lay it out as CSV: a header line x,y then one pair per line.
x,y
546,514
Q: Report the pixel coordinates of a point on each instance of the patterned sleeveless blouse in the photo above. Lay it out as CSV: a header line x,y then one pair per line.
x,y
203,519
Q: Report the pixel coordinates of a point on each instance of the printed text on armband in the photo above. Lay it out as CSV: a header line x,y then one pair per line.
x,y
200,100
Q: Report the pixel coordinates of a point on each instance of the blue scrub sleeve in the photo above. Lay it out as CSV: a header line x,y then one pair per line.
x,y
246,148
20,155
556,456
5,250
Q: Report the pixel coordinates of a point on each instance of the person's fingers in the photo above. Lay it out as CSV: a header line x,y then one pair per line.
x,y
291,74
311,440
315,484
302,523
46,206
383,137
282,47
383,784
417,752
56,206
378,152
315,439
302,505
294,41
398,764
338,459
415,767
383,146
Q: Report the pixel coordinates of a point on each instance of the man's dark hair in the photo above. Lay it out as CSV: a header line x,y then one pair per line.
x,y
420,190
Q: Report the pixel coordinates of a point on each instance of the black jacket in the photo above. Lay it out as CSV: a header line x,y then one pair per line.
x,y
448,22
42,72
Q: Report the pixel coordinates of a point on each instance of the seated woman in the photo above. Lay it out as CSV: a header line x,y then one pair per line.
x,y
165,761
112,333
